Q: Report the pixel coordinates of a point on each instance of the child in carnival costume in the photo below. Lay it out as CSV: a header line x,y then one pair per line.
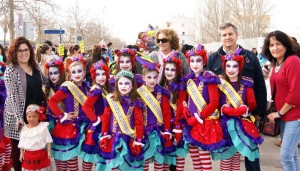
x,y
126,61
93,108
5,144
68,131
34,137
172,80
237,121
56,75
203,130
157,115
122,126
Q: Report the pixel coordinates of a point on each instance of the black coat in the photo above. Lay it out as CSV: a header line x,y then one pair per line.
x,y
251,69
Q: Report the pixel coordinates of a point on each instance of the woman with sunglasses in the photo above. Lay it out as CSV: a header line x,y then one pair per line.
x,y
167,41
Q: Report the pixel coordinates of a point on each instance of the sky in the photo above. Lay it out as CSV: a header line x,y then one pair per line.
x,y
126,18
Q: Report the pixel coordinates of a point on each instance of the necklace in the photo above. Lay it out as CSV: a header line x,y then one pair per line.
x,y
278,66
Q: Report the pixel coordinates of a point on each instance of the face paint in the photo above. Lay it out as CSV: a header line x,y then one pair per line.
x,y
125,63
151,79
232,69
124,86
100,77
54,75
170,71
196,64
77,74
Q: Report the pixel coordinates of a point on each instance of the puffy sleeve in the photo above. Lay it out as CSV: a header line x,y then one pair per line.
x,y
54,100
105,118
166,111
213,101
251,102
48,137
138,121
181,97
88,106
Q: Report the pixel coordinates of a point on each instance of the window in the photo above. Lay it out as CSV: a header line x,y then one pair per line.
x,y
183,33
182,42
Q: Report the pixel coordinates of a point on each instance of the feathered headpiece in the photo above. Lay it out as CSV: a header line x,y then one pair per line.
x,y
234,57
56,63
172,58
197,51
125,73
147,62
126,52
37,109
99,65
78,59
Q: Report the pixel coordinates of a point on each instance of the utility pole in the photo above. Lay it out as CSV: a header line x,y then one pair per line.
x,y
11,25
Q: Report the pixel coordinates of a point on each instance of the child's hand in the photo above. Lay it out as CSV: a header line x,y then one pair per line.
x,y
49,155
21,157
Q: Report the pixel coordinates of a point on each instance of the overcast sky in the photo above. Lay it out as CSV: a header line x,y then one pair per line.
x,y
125,18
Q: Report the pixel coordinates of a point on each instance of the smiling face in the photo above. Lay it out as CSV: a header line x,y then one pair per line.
x,y
100,77
124,86
23,54
151,79
170,71
54,75
32,119
77,74
125,63
163,43
196,64
232,70
277,49
229,38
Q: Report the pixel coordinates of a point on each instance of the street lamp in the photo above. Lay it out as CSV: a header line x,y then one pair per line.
x,y
103,22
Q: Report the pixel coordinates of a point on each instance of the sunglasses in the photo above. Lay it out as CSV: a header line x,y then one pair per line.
x,y
164,40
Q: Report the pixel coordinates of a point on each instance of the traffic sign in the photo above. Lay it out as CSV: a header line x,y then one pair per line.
x,y
54,31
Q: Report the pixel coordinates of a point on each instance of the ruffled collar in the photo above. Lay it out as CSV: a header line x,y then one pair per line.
x,y
31,132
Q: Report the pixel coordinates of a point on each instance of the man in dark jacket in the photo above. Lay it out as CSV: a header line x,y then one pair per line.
x,y
252,69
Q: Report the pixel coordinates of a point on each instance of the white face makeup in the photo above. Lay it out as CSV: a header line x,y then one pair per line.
x,y
100,77
77,74
54,75
124,86
232,70
196,64
125,63
170,71
151,79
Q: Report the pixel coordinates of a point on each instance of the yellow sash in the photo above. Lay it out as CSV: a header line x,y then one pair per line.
x,y
195,95
76,92
151,102
120,116
233,97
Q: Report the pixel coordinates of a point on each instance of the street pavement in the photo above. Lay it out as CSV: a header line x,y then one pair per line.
x,y
269,161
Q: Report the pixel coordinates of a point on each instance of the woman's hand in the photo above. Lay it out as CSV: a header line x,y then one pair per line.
x,y
19,124
272,116
71,116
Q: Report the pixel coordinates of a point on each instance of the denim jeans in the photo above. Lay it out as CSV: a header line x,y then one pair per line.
x,y
290,131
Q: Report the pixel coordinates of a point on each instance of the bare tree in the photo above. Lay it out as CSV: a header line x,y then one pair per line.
x,y
250,16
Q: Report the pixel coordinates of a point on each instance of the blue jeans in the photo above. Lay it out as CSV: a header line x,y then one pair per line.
x,y
289,148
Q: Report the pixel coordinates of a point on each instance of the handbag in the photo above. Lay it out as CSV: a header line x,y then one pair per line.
x,y
268,128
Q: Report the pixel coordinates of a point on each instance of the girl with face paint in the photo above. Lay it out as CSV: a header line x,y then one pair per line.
x,y
172,80
122,126
203,127
126,61
157,115
70,120
238,125
93,108
55,71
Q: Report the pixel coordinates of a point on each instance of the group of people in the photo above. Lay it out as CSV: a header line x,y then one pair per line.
x,y
178,103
